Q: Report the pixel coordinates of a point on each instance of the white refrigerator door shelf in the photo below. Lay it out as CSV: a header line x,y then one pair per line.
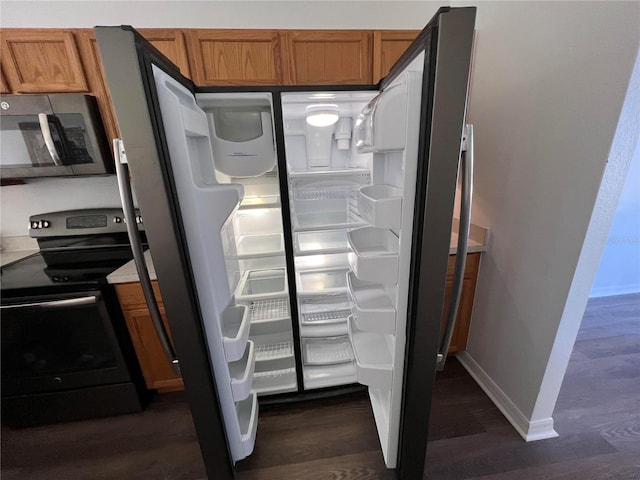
x,y
247,411
374,255
235,331
374,363
372,306
381,206
241,372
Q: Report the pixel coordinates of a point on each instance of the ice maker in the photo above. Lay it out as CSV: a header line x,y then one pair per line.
x,y
242,140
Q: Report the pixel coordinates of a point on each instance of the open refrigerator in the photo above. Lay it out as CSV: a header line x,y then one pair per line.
x,y
300,235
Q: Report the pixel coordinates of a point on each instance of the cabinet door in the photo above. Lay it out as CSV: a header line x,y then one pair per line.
x,y
4,87
235,57
388,45
463,318
172,45
42,61
323,57
90,55
154,364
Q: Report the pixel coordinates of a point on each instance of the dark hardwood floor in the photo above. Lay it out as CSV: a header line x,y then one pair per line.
x,y
597,417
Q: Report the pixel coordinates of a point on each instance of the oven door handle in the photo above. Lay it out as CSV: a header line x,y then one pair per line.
x,y
65,303
43,119
126,196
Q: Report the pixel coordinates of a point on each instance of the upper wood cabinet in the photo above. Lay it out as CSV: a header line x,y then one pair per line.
x,y
235,57
325,57
88,48
4,88
171,44
388,45
42,61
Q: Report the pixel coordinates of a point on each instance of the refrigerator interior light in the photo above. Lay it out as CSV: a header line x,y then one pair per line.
x,y
321,115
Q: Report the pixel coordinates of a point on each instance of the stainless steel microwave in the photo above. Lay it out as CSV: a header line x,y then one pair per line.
x,y
52,135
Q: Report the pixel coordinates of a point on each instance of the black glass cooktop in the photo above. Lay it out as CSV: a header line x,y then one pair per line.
x,y
53,269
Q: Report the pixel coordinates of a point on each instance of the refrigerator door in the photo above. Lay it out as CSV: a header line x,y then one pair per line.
x,y
145,87
444,48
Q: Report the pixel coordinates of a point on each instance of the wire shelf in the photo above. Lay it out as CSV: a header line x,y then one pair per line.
x,y
265,310
274,351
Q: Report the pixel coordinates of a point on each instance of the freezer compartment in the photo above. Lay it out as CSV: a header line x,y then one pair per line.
x,y
326,351
374,254
371,306
241,373
234,323
321,281
247,411
374,361
381,206
319,243
321,376
324,310
260,245
261,284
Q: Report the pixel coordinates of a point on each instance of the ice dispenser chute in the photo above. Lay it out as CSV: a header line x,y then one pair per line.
x,y
381,126
242,140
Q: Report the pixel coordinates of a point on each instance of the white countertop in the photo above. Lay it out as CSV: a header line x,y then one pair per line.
x,y
128,273
13,256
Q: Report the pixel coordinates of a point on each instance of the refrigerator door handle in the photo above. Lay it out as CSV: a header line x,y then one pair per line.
x,y
466,166
126,197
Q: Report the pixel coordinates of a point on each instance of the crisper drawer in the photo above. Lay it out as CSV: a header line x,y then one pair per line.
x,y
326,351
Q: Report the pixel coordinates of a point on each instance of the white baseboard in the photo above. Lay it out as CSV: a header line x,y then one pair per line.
x,y
529,430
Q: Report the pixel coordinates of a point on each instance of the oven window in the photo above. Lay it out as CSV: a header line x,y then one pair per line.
x,y
37,342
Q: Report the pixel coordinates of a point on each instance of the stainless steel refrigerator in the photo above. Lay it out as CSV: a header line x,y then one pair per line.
x,y
300,235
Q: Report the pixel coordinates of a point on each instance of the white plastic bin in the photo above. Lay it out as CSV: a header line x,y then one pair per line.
x,y
381,206
241,373
374,364
234,323
371,305
374,254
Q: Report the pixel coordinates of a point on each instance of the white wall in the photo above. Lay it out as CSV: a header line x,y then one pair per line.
x,y
619,270
548,86
220,14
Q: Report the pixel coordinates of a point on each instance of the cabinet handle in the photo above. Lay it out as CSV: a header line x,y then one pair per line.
x,y
124,186
466,167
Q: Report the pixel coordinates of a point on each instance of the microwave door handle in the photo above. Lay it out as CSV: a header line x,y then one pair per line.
x,y
126,197
43,119
466,167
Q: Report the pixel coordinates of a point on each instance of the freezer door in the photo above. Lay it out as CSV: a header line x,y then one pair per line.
x,y
129,63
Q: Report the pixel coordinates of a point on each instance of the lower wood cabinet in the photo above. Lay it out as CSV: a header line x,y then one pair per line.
x,y
463,319
155,367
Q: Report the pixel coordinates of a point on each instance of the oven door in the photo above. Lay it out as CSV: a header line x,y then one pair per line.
x,y
62,342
